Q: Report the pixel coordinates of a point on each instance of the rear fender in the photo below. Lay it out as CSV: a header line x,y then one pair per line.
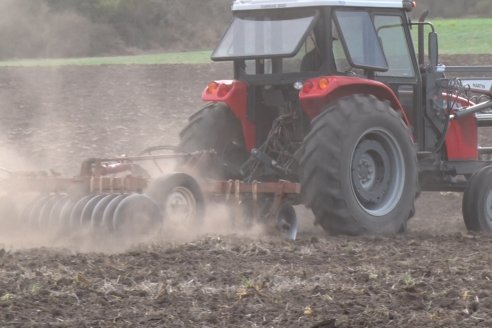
x,y
234,94
462,136
318,92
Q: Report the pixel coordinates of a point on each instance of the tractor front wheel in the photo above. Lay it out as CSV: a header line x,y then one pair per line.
x,y
360,168
477,201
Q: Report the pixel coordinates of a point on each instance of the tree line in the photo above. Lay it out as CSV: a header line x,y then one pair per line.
x,y
456,8
71,28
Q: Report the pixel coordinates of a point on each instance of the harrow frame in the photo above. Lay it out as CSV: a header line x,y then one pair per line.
x,y
126,176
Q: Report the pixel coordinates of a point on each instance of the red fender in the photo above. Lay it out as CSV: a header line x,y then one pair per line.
x,y
462,137
234,94
318,92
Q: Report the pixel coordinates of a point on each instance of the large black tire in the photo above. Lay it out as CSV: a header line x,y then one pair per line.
x,y
477,201
216,128
359,168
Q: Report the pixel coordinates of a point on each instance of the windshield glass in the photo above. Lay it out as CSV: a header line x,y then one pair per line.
x,y
265,34
362,44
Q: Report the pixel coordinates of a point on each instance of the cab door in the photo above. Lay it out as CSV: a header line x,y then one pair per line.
x,y
402,76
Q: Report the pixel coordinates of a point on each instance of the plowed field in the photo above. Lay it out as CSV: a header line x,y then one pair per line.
x,y
435,275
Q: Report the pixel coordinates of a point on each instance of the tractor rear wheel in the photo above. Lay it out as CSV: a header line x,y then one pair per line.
x,y
360,168
216,128
477,201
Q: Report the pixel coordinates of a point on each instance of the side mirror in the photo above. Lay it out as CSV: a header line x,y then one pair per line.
x,y
433,49
421,37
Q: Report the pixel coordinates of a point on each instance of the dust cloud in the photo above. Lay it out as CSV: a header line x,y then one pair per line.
x,y
30,29
18,232
54,118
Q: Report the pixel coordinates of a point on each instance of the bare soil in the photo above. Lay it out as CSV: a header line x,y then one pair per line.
x,y
435,275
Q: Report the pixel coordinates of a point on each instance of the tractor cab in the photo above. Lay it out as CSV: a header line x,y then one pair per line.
x,y
334,96
278,47
298,38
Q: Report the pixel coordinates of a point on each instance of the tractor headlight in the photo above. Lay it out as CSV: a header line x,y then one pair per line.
x,y
298,85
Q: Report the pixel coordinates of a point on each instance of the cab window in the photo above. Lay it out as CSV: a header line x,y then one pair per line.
x,y
395,46
359,40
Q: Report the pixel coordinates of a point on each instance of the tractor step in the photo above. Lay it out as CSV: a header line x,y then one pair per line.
x,y
485,150
484,120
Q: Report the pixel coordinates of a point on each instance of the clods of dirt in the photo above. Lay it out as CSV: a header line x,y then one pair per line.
x,y
436,275
405,281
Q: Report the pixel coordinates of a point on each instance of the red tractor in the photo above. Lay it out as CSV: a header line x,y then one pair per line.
x,y
333,96
330,106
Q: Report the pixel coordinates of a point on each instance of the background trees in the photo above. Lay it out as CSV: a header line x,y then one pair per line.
x,y
456,8
71,28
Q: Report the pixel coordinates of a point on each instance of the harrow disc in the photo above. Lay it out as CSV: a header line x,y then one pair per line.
x,y
63,219
98,212
43,216
287,221
136,216
31,213
107,217
88,210
74,219
54,215
127,215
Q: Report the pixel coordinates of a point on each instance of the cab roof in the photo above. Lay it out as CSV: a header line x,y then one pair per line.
x,y
276,4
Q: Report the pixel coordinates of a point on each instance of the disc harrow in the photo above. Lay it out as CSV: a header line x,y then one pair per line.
x,y
119,197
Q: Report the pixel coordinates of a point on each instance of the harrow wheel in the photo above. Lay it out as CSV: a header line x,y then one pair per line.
x,y
179,197
477,201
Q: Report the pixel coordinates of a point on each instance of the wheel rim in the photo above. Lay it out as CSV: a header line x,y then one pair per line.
x,y
377,172
488,210
287,221
181,204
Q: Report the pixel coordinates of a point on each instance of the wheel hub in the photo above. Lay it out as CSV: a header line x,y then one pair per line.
x,y
370,171
181,204
365,170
